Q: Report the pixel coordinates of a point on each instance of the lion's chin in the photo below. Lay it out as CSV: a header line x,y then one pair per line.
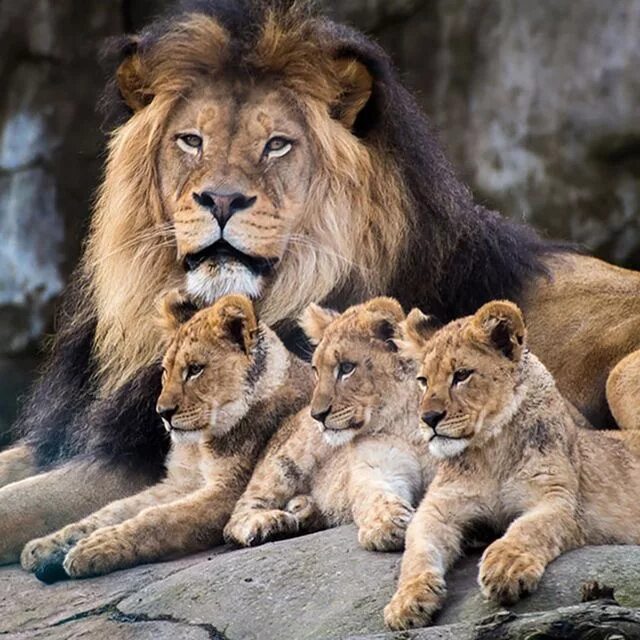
x,y
443,447
211,281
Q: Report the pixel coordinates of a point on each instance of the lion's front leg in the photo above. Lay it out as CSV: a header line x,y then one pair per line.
x,y
512,566
433,543
187,525
44,556
16,463
384,482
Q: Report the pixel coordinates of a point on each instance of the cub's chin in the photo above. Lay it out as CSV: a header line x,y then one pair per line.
x,y
184,436
443,447
338,437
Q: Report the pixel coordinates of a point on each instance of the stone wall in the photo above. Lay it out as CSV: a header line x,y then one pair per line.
x,y
536,102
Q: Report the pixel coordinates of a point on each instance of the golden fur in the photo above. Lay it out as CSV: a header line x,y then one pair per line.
x,y
361,459
219,418
340,223
512,458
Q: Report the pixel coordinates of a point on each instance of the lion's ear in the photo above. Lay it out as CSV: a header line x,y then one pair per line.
x,y
357,86
386,316
315,320
236,317
175,308
500,324
416,331
130,76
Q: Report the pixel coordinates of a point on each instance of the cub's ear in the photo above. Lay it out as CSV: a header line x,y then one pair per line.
x,y
130,75
236,318
387,314
500,324
416,331
315,320
357,86
175,308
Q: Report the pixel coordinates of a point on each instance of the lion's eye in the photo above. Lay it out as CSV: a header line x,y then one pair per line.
x,y
345,369
193,371
460,375
189,142
277,147
422,381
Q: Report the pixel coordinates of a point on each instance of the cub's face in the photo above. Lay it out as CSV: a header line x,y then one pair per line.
x,y
235,170
468,373
205,382
358,370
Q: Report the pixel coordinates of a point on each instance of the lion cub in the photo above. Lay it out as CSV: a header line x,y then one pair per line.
x,y
228,382
511,456
355,453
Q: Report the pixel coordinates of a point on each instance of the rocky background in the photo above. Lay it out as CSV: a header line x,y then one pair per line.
x,y
537,103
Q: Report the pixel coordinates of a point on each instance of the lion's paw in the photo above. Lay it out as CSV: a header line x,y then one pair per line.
x,y
385,525
415,602
305,509
258,526
507,573
102,552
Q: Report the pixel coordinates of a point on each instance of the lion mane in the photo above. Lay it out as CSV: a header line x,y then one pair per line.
x,y
385,215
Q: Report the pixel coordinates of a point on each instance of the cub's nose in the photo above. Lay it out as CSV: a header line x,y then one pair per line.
x,y
321,416
166,413
223,205
433,418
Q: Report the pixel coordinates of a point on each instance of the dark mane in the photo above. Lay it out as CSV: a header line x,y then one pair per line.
x,y
460,256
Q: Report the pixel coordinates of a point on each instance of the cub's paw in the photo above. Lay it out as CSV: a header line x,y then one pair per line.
x,y
415,602
305,509
384,527
256,527
102,552
507,573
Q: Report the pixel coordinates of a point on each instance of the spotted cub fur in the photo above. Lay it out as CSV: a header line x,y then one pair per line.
x,y
512,457
228,383
355,454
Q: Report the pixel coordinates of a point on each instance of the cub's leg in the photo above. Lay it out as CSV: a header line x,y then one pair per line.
x,y
44,556
385,482
16,464
513,565
623,392
189,524
276,502
433,543
45,502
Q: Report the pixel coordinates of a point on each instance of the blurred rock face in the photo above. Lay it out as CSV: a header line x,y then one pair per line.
x,y
536,102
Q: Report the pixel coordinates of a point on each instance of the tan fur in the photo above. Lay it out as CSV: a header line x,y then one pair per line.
x,y
16,464
366,463
223,417
323,211
513,458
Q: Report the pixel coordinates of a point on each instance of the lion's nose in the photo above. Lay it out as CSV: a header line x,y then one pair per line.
x,y
166,413
321,416
223,205
433,418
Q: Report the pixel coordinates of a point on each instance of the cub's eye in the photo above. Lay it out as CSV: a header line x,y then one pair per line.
x,y
422,381
460,375
189,142
277,147
345,369
193,371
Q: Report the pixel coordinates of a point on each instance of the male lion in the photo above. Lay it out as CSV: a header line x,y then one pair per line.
x,y
228,383
264,150
512,457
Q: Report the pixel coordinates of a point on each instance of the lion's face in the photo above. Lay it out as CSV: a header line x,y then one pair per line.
x,y
235,169
358,370
468,371
205,383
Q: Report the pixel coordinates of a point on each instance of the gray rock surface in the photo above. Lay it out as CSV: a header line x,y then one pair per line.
x,y
315,587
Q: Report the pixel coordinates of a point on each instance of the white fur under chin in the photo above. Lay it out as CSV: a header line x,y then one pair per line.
x,y
447,447
339,438
209,285
186,437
